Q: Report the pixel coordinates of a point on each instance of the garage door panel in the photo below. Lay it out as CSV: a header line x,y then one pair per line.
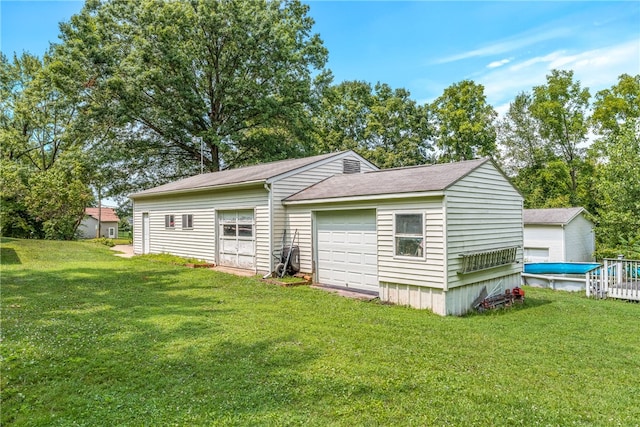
x,y
347,249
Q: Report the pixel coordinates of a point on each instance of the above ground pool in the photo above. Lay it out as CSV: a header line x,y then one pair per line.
x,y
559,267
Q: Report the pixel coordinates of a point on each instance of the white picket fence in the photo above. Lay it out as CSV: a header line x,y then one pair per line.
x,y
616,278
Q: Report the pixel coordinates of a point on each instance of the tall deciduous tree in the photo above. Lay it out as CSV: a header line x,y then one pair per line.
x,y
44,166
616,119
463,122
382,124
614,108
561,110
543,138
235,75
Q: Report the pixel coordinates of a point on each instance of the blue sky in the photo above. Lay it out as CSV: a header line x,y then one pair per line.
x,y
425,46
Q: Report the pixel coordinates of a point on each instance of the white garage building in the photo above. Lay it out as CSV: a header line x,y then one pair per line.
x,y
428,236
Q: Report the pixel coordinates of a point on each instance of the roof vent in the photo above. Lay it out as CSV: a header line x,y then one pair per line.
x,y
350,166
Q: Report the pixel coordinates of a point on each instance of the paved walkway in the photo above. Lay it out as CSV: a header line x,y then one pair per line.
x,y
126,250
362,296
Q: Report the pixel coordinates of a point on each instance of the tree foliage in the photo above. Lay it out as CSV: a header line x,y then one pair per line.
x,y
543,136
463,123
616,119
44,175
236,75
382,124
561,110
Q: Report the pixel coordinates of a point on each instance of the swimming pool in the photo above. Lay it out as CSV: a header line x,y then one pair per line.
x,y
560,267
566,276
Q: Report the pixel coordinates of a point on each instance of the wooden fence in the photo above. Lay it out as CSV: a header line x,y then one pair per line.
x,y
616,278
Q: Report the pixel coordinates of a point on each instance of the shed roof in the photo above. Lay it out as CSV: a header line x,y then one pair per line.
x,y
553,216
413,179
246,174
107,214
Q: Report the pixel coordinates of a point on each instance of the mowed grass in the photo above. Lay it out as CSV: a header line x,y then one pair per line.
x,y
92,339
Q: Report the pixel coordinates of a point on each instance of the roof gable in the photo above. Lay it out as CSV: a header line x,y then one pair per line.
x,y
243,175
553,216
104,214
425,178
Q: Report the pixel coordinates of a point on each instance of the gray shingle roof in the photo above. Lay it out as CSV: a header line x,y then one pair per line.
x,y
389,181
554,216
256,173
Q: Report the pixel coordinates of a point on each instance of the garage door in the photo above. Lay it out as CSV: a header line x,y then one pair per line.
x,y
236,242
347,249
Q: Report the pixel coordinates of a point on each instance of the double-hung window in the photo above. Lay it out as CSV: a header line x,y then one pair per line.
x,y
169,221
187,221
409,235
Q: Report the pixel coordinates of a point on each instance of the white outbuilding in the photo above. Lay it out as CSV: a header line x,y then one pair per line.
x,y
429,237
558,235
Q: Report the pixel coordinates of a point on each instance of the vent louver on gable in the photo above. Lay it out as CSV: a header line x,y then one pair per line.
x,y
350,166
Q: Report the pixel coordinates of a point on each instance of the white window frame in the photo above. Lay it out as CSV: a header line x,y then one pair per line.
x,y
170,221
112,232
422,236
187,221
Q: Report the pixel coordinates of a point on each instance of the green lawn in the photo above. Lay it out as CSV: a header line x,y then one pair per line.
x,y
93,339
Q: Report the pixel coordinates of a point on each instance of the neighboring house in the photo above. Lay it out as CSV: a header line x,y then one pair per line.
x,y
427,236
108,223
558,235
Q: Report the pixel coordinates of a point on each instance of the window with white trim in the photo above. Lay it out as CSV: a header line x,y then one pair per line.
x,y
169,221
187,221
409,235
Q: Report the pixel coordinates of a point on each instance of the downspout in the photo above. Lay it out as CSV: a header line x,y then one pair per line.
x,y
267,187
445,244
564,252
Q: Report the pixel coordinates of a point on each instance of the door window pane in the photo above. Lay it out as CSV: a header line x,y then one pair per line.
x,y
229,230
245,230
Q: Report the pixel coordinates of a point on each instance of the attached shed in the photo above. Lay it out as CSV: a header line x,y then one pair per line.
x,y
106,217
558,235
428,237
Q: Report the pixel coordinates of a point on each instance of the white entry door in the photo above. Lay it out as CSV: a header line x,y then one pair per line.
x,y
236,239
145,233
347,248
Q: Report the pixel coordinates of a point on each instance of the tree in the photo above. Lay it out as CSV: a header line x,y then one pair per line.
x,y
236,75
44,174
561,110
463,122
382,124
518,135
616,119
614,108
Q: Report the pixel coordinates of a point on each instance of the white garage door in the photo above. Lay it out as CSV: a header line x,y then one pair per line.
x,y
347,249
236,241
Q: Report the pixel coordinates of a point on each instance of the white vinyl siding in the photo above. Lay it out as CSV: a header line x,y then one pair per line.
x,y
285,187
425,271
545,236
574,242
484,212
200,241
579,240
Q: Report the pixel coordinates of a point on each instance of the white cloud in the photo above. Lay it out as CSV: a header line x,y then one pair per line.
x,y
509,45
496,64
596,69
